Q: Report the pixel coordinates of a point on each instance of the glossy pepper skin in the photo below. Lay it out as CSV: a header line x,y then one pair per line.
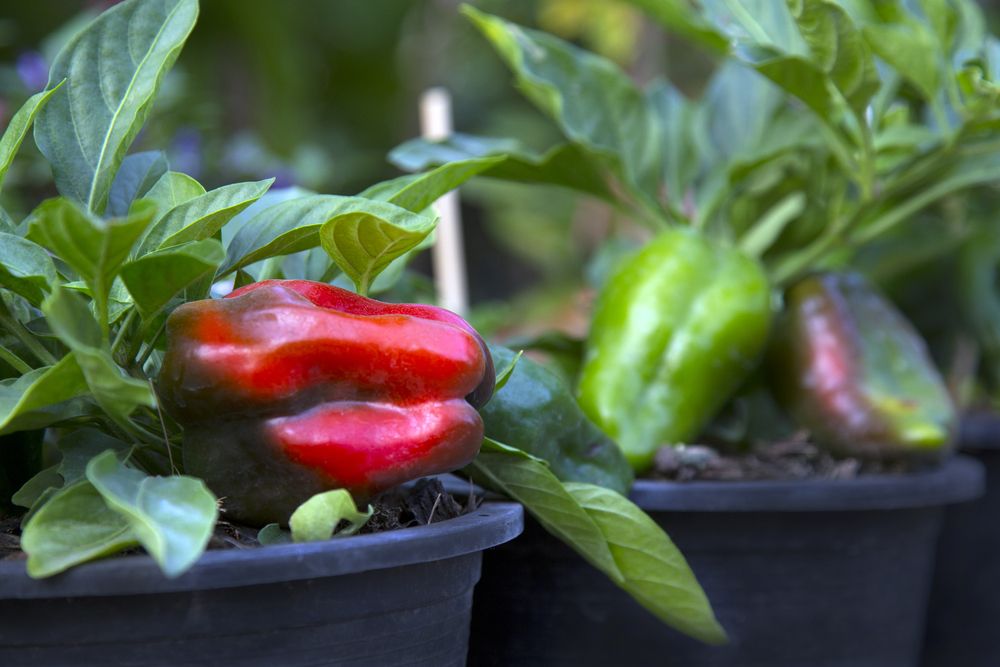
x,y
850,368
289,388
537,413
676,330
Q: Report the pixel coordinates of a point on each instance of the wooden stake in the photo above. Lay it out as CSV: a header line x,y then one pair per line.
x,y
448,254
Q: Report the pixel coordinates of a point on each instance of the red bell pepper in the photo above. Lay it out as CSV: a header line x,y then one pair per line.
x,y
290,387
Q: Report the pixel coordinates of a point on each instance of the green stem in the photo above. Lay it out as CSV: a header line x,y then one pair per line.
x,y
27,338
19,364
122,331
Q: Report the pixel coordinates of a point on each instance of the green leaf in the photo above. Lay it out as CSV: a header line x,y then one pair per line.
x,y
172,517
202,217
912,50
416,192
318,518
154,279
365,243
114,67
72,322
94,248
80,446
680,132
679,17
655,572
504,375
20,123
595,104
566,166
39,398
529,481
73,527
608,531
273,534
172,189
25,268
138,174
766,231
32,490
294,225
839,48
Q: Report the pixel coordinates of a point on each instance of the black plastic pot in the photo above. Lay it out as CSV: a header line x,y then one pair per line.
x,y
395,598
963,624
801,574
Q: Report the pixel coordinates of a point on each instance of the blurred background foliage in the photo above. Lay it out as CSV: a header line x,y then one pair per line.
x,y
316,93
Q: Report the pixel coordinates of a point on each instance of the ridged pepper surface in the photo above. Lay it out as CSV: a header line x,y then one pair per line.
x,y
677,328
288,388
852,370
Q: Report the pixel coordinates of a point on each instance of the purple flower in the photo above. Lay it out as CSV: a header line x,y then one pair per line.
x,y
33,70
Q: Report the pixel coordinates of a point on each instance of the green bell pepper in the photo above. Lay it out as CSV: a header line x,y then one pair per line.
x,y
676,330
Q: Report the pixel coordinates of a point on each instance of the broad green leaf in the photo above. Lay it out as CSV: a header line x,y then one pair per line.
x,y
74,526
72,322
802,78
39,398
154,279
172,189
566,166
838,47
529,481
25,268
595,104
365,243
94,248
503,375
20,123
114,67
318,518
32,490
172,517
79,446
138,174
680,17
680,129
912,50
417,192
293,225
202,217
654,570
761,22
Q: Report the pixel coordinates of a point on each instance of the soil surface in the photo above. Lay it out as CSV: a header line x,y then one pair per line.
x,y
793,459
418,504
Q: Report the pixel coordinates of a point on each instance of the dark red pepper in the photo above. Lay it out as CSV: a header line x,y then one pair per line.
x,y
288,388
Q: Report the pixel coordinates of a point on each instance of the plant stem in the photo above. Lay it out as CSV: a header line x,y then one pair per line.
x,y
27,338
122,330
19,364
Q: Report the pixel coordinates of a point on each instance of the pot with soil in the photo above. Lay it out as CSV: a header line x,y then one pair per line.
x,y
815,571
387,597
965,596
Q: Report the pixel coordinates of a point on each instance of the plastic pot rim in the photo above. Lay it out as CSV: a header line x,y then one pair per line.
x,y
491,524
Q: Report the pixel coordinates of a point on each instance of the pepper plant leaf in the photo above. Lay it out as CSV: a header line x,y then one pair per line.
x,y
566,165
40,398
416,192
74,526
172,517
25,268
73,323
156,278
319,518
114,67
608,531
138,174
202,216
20,123
172,189
294,225
593,102
655,571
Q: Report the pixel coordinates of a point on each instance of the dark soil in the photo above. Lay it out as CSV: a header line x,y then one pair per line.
x,y
793,459
418,504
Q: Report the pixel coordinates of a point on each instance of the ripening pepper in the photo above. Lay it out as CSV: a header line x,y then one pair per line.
x,y
677,328
852,370
288,388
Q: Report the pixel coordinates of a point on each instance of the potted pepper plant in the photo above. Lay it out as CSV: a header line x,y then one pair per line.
x,y
738,323
140,413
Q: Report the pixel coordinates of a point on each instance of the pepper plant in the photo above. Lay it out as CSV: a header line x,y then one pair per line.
x,y
109,332
826,126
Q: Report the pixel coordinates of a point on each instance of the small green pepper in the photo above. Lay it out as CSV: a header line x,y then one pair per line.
x,y
850,368
677,328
